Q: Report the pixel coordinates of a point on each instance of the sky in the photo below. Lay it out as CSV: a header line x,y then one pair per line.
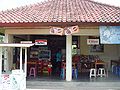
x,y
9,4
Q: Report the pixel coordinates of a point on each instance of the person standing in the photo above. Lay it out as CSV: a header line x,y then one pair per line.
x,y
58,61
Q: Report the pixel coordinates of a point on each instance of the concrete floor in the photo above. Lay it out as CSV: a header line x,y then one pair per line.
x,y
74,85
112,82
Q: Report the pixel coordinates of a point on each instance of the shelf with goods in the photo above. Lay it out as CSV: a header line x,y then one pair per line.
x,y
40,53
34,53
44,55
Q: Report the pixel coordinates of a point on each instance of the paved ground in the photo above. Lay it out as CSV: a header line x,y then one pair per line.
x,y
79,89
36,85
82,83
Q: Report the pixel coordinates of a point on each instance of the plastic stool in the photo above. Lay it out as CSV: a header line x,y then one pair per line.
x,y
92,72
32,72
75,73
114,69
117,70
49,71
62,74
101,72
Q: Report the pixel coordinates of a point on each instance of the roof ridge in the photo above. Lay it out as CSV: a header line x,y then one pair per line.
x,y
47,1
29,5
100,3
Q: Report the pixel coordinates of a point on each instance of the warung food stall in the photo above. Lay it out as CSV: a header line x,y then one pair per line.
x,y
14,79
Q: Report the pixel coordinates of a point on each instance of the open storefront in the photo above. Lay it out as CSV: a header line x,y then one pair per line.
x,y
83,54
77,36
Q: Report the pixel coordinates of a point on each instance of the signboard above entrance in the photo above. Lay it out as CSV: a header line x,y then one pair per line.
x,y
71,30
93,41
25,41
67,30
109,34
56,30
41,42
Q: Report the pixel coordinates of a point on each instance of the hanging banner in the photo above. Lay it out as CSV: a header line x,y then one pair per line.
x,y
75,29
66,30
56,30
109,34
71,30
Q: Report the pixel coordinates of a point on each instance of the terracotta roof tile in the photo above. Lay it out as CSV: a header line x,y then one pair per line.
x,y
62,11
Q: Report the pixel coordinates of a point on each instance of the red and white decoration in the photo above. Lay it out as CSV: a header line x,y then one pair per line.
x,y
41,42
67,30
56,30
71,30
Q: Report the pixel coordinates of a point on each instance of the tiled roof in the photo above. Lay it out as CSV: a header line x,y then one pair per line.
x,y
62,11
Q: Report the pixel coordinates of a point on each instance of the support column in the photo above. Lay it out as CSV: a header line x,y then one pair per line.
x,y
25,64
6,65
21,60
68,57
0,61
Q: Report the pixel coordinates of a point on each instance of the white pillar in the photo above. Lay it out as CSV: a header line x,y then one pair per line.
x,y
68,57
25,64
8,64
0,61
21,59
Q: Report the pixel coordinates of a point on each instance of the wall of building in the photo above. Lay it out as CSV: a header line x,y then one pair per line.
x,y
18,31
2,30
111,52
88,31
119,51
83,45
84,30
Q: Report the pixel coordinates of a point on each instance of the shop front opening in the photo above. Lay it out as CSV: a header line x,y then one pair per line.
x,y
42,64
42,60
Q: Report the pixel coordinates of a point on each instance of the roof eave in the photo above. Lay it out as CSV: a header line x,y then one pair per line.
x,y
62,24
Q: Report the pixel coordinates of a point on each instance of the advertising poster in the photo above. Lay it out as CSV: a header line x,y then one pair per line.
x,y
109,34
6,82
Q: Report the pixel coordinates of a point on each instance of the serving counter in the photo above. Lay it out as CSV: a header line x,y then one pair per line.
x,y
14,80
